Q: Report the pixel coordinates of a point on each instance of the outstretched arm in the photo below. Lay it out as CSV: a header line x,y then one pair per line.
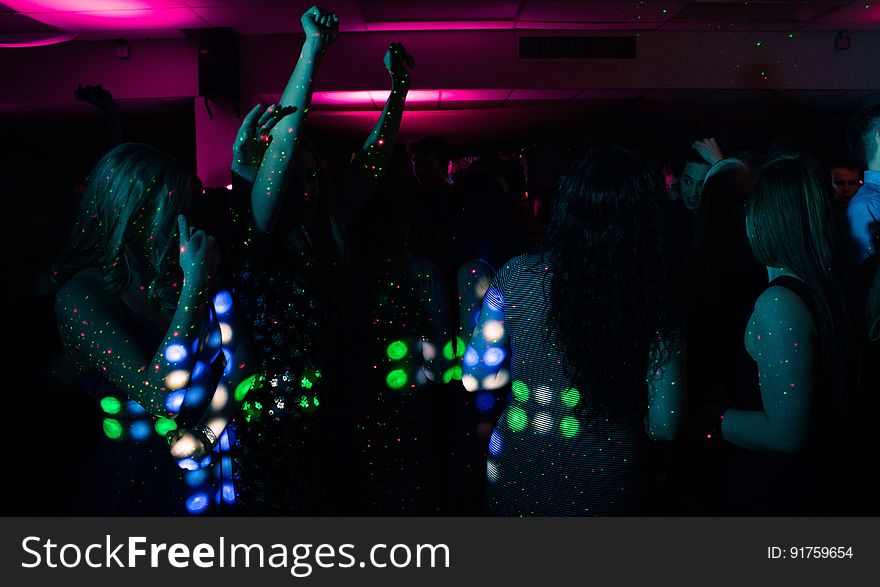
x,y
320,28
370,163
92,324
487,356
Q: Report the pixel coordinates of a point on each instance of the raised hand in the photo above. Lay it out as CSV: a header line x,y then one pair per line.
x,y
398,61
253,139
320,27
185,444
199,256
708,150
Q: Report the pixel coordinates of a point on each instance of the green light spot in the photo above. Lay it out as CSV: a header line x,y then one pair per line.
x,y
397,350
458,352
452,373
569,426
112,428
164,426
571,397
305,383
244,387
448,353
520,391
517,419
111,405
396,379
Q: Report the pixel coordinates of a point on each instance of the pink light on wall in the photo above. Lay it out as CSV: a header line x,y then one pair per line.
x,y
446,25
375,99
22,40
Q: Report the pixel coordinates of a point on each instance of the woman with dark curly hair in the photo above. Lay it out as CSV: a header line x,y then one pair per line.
x,y
585,333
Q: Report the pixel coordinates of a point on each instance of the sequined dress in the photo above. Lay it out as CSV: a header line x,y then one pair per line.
x,y
281,442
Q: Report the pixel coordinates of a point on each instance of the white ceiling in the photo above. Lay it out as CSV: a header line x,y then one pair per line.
x,y
165,17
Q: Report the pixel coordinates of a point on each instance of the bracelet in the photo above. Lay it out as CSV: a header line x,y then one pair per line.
x,y
206,435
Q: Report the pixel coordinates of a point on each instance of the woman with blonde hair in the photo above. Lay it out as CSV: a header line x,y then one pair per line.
x,y
139,307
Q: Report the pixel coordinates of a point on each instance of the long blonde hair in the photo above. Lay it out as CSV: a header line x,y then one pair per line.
x,y
129,214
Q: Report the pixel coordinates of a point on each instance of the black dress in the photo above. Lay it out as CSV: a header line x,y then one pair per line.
x,y
815,482
282,447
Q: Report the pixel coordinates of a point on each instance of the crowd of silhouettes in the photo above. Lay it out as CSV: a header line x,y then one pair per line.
x,y
429,331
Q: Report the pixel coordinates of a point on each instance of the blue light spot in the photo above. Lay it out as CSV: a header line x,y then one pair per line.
x,y
493,356
195,395
215,339
224,441
205,462
135,409
175,353
175,400
188,464
495,443
197,503
140,430
197,477
198,370
222,302
228,493
471,357
229,365
485,401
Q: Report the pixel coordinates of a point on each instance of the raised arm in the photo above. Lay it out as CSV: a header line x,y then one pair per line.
x,y
92,323
487,356
371,162
320,28
781,335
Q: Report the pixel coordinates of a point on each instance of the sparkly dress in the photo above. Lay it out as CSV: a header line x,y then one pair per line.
x,y
281,441
543,461
389,387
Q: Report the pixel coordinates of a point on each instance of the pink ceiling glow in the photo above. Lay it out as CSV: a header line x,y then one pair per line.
x,y
375,99
111,15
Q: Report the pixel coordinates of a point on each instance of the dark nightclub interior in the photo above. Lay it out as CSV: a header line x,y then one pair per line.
x,y
412,257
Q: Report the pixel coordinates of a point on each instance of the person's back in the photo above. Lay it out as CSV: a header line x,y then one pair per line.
x,y
585,337
576,468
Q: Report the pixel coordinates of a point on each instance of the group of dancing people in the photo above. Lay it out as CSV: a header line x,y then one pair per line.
x,y
290,348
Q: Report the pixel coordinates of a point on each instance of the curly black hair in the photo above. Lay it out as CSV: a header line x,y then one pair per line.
x,y
610,288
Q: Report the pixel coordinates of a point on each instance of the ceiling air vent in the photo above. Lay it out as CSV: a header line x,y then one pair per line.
x,y
560,47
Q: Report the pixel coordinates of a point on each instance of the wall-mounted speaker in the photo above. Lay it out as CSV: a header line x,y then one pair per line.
x,y
218,63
